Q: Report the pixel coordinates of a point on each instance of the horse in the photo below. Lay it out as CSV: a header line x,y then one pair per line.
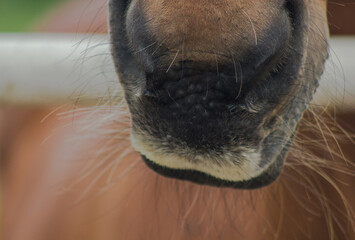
x,y
214,96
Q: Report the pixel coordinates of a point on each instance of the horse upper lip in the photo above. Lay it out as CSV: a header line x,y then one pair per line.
x,y
182,85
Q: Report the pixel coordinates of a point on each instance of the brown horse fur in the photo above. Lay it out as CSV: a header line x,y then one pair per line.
x,y
79,190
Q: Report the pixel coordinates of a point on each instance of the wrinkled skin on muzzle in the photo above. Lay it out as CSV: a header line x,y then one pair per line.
x,y
216,88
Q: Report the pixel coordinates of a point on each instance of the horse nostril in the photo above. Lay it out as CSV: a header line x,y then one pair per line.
x,y
149,94
264,57
292,10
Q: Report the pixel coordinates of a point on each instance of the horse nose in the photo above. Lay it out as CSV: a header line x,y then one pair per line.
x,y
236,44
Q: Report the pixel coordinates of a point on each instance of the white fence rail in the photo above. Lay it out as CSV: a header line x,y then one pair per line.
x,y
51,69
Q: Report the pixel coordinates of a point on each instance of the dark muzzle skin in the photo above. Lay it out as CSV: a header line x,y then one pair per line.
x,y
215,89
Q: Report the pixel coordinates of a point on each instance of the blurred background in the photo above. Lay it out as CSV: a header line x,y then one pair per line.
x,y
79,16
22,15
21,127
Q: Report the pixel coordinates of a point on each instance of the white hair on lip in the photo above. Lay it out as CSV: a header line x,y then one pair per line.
x,y
225,169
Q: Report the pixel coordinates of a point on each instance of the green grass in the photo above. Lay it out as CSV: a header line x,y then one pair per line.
x,y
19,15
